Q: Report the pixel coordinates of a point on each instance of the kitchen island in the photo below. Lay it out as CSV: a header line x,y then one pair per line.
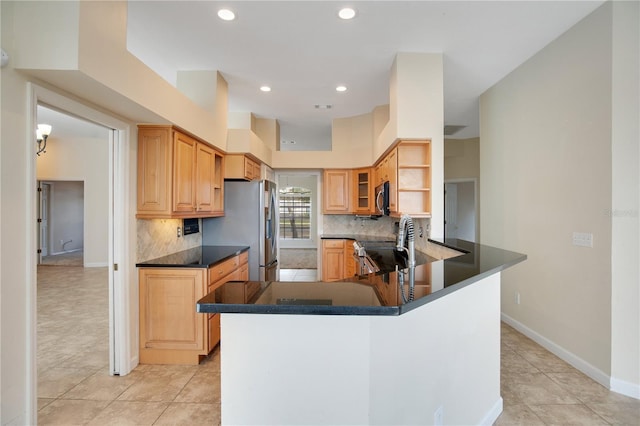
x,y
418,346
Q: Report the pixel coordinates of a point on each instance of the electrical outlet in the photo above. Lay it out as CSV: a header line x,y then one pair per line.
x,y
517,298
179,232
582,239
438,417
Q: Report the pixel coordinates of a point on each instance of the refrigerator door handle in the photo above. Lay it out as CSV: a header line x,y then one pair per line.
x,y
269,231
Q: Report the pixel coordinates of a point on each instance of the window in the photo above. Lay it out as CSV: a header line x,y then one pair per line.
x,y
295,213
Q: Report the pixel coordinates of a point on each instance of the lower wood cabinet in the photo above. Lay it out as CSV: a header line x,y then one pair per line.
x,y
171,331
337,260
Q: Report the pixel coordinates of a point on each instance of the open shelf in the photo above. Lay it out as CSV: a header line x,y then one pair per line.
x,y
414,177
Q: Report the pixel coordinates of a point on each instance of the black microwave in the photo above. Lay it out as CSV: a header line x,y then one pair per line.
x,y
382,199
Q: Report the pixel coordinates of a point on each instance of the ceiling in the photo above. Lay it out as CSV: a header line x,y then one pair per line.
x,y
302,50
65,126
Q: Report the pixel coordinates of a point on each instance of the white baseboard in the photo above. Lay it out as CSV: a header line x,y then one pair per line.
x,y
493,414
625,388
588,369
95,264
56,253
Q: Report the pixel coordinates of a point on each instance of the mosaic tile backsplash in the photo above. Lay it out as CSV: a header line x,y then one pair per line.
x,y
158,237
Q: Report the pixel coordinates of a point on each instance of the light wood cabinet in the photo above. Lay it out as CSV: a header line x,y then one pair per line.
x,y
154,172
171,331
337,260
337,192
392,176
414,178
333,265
234,269
178,175
184,170
386,170
407,168
241,166
363,191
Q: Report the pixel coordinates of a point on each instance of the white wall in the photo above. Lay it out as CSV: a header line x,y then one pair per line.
x,y
462,158
66,218
546,172
376,370
78,158
15,206
625,206
466,211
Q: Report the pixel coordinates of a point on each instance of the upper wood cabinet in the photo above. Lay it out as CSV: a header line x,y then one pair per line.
x,y
241,166
178,175
391,165
363,191
386,170
337,192
154,172
407,168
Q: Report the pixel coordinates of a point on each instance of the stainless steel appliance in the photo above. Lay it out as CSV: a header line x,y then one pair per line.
x,y
251,217
382,199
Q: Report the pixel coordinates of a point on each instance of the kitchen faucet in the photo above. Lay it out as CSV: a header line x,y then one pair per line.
x,y
407,222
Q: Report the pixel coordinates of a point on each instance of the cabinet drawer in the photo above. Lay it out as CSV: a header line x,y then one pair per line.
x,y
243,257
333,243
220,270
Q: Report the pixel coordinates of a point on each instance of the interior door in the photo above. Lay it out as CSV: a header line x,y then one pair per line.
x,y
450,210
43,219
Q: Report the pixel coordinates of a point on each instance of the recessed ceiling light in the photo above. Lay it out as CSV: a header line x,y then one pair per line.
x,y
347,13
341,88
226,15
265,88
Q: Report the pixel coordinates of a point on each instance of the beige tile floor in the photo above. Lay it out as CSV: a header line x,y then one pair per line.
x,y
74,386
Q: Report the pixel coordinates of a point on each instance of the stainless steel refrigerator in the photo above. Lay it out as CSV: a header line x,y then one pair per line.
x,y
251,217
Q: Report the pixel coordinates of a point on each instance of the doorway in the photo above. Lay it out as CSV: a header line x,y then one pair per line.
x,y
120,237
461,209
61,223
73,175
298,225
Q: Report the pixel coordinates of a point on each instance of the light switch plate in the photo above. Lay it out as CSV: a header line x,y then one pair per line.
x,y
583,239
4,58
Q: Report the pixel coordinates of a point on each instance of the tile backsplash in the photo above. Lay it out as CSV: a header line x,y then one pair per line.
x,y
158,237
384,226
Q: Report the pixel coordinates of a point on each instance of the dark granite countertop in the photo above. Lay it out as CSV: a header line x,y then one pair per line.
x,y
357,237
197,257
381,250
373,294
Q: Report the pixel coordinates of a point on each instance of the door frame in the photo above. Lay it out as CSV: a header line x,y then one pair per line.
x,y
475,201
123,356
